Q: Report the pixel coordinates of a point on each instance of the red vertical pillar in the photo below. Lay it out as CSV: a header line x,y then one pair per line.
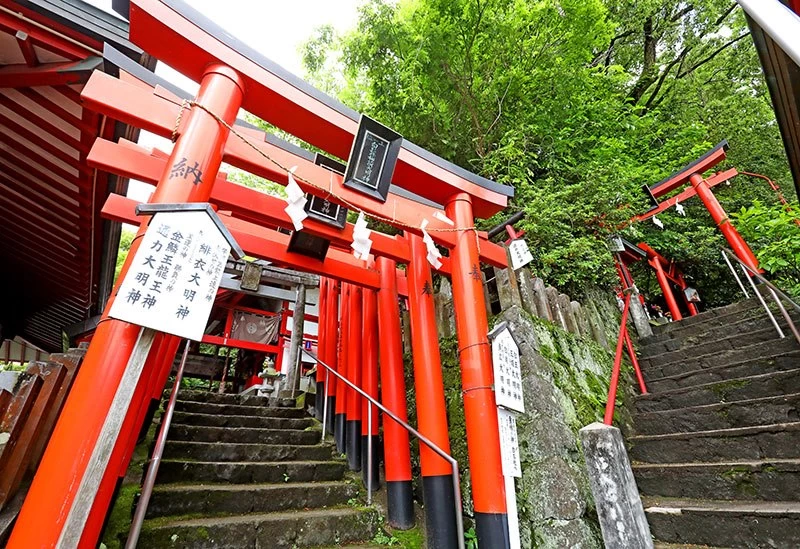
x,y
322,350
76,459
354,367
437,480
480,408
397,455
666,289
369,382
340,421
737,243
332,347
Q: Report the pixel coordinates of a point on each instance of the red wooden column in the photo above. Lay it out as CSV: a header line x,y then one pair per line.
x,y
437,479
355,353
77,454
322,350
397,454
480,409
737,243
369,382
666,289
331,321
340,421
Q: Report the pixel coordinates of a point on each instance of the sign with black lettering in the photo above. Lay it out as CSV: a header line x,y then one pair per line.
x,y
324,210
372,159
173,279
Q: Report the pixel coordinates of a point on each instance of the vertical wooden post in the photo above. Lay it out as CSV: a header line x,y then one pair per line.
x,y
354,368
294,368
370,386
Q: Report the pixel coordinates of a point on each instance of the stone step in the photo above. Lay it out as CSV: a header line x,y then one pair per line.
x,y
732,390
307,528
741,369
247,400
237,409
772,480
707,332
214,420
240,499
242,434
741,308
725,415
244,472
765,350
212,451
730,342
777,441
747,524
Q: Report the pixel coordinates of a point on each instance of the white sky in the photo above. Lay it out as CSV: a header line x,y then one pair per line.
x,y
276,28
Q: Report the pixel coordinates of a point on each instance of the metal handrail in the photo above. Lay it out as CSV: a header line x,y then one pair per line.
x,y
422,438
773,290
155,461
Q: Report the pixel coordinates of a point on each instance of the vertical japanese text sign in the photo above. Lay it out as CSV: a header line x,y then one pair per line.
x,y
173,278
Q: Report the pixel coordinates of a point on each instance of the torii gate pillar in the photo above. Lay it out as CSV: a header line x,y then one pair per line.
x,y
79,449
480,409
737,243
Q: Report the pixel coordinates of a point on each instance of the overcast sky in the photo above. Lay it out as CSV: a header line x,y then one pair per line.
x,y
276,28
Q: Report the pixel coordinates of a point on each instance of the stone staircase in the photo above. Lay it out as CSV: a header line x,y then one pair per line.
x,y
716,444
238,473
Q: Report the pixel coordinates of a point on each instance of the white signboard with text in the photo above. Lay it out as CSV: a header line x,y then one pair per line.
x,y
509,445
507,372
520,254
173,278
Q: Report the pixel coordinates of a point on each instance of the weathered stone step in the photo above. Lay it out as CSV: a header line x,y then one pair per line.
x,y
748,524
777,441
273,530
213,451
704,333
237,409
725,415
244,472
741,369
772,480
247,400
214,420
242,434
753,387
240,499
765,350
742,308
735,342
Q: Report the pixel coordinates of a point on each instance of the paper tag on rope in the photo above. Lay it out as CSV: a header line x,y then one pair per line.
x,y
443,218
657,222
680,209
433,252
361,242
296,200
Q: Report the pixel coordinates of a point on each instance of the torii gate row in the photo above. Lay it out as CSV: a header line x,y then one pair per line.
x,y
666,272
125,363
702,187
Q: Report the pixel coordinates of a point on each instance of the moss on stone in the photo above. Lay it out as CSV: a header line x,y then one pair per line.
x,y
119,521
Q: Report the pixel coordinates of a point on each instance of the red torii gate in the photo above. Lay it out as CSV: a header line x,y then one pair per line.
x,y
702,188
94,437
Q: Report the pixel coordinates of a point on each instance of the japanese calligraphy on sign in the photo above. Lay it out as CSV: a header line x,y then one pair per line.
x,y
509,445
174,276
519,253
507,372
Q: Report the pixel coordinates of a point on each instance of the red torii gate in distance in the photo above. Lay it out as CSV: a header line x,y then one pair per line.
x,y
702,188
92,440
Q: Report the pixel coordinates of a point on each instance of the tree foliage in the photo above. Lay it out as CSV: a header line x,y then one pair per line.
x,y
577,104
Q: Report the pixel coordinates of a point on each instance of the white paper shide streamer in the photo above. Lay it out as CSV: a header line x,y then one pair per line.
x,y
296,202
433,252
680,209
657,222
361,242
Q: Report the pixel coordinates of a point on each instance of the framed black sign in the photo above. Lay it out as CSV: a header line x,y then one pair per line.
x,y
324,210
372,159
309,244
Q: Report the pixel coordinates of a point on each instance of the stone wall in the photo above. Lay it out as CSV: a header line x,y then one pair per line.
x,y
566,365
